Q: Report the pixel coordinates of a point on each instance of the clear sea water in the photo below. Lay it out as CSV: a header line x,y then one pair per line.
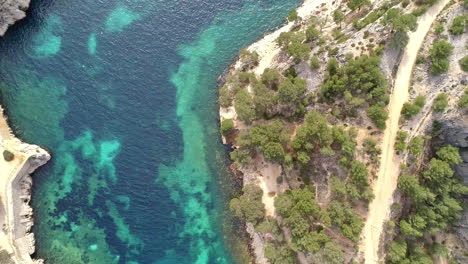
x,y
123,94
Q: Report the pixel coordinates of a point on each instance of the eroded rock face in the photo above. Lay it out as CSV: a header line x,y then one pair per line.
x,y
10,12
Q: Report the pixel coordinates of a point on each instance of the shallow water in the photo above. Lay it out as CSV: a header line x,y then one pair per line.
x,y
123,93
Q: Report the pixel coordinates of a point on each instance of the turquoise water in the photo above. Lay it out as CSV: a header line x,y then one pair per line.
x,y
123,93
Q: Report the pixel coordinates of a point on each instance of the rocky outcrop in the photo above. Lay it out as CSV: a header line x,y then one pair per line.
x,y
23,237
16,215
10,12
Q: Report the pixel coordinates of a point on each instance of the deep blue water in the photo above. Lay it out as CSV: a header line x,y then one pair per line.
x,y
123,94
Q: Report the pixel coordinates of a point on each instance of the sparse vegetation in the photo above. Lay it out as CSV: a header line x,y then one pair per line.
x,y
463,102
440,102
458,25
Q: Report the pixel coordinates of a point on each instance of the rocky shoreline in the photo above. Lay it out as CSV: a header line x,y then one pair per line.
x,y
270,56
19,161
10,12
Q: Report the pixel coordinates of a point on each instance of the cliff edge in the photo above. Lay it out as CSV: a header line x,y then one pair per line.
x,y
18,160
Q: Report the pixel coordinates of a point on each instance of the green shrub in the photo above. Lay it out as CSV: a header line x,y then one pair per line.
x,y
337,34
358,4
404,23
293,16
249,205
312,33
279,254
225,96
271,77
440,51
250,59
8,156
343,216
338,16
439,28
420,10
269,139
399,39
241,156
359,174
226,126
464,63
440,102
420,100
315,63
361,77
449,154
396,252
416,145
245,107
458,25
332,253
300,51
291,91
378,115
409,110
420,59
463,102
400,144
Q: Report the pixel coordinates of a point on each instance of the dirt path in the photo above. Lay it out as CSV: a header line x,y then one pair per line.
x,y
379,209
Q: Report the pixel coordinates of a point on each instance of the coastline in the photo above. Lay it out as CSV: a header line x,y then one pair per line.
x,y
19,160
16,215
265,176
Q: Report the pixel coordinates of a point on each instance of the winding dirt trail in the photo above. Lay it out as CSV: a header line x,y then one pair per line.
x,y
386,183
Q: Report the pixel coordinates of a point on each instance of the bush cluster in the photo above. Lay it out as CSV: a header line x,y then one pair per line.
x,y
411,109
440,52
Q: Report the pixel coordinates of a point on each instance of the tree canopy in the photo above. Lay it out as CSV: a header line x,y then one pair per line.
x,y
249,205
